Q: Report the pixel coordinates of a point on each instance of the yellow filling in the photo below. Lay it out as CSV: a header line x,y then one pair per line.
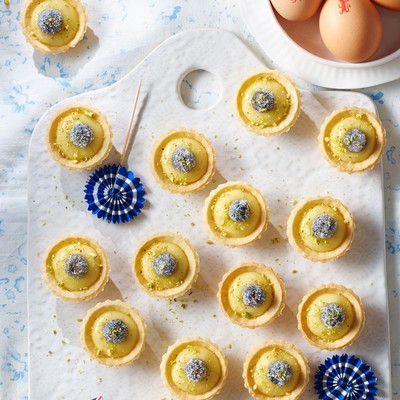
x,y
70,23
114,350
155,281
261,368
68,282
335,139
62,139
315,323
201,353
193,175
236,289
315,243
225,224
269,118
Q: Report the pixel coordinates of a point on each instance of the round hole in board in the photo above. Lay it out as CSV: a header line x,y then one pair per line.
x,y
200,89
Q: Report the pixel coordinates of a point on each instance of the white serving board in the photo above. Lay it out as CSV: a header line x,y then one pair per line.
x,y
284,168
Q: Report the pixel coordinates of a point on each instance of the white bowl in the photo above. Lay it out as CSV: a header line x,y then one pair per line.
x,y
299,49
306,36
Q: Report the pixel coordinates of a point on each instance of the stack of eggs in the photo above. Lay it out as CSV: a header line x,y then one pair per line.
x,y
352,30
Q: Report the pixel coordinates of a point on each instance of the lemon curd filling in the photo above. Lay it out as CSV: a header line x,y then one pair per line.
x,y
250,294
264,102
114,334
76,266
323,228
184,160
275,373
330,316
352,139
77,135
236,213
195,370
48,28
164,265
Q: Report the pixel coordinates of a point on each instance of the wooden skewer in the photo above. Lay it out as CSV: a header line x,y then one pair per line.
x,y
129,130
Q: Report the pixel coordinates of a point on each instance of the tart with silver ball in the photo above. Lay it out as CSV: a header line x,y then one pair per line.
x,y
268,103
276,370
352,139
321,229
113,333
76,268
236,214
79,137
183,161
166,265
53,26
331,317
194,369
252,295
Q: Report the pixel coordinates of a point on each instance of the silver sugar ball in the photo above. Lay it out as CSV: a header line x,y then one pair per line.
x,y
76,266
332,315
115,331
253,295
324,226
355,140
164,264
263,100
196,370
183,160
81,135
50,21
279,373
239,210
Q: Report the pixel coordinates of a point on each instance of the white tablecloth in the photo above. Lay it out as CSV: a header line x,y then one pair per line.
x,y
121,33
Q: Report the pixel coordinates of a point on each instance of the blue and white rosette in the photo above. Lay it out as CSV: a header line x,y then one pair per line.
x,y
345,378
114,194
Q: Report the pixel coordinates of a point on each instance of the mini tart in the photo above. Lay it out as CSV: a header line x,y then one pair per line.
x,y
118,352
74,24
179,172
248,227
76,287
336,128
156,254
285,106
300,229
65,151
176,362
312,326
264,306
257,368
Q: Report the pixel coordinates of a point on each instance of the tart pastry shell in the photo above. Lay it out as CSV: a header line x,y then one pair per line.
x,y
236,241
291,117
278,302
76,296
157,169
192,257
97,158
94,313
172,353
294,235
349,167
252,358
46,48
350,336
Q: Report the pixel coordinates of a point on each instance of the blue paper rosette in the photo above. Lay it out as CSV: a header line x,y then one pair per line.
x,y
345,378
114,194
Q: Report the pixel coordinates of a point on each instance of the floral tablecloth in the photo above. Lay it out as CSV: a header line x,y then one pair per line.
x,y
121,33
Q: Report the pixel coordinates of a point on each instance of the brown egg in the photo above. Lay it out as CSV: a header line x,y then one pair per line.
x,y
391,4
296,10
351,29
